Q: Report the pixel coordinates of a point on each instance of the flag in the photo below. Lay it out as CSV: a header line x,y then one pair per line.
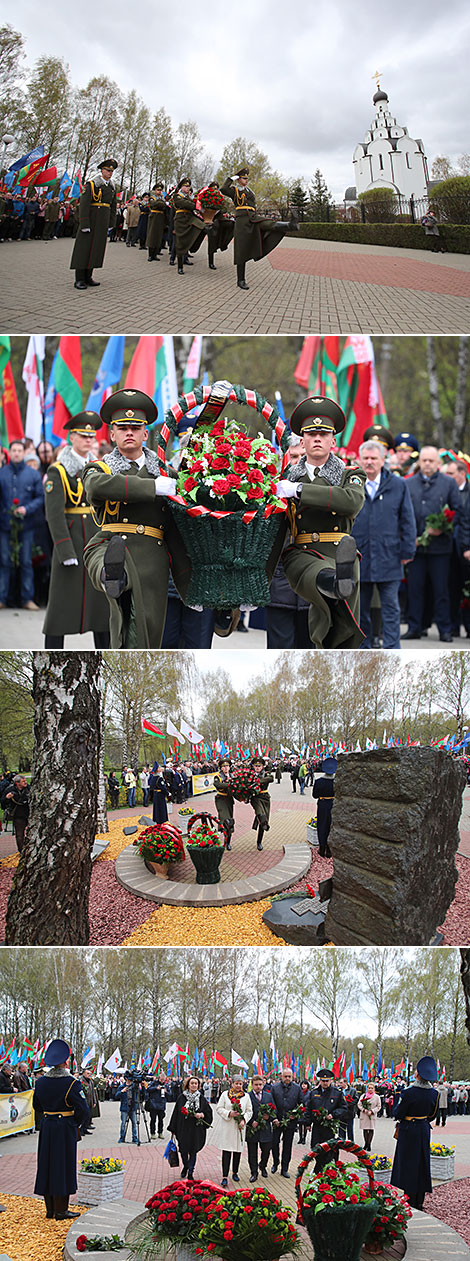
x,y
132,1063
379,1062
150,728
28,172
191,371
155,1060
141,373
107,377
336,1067
359,392
38,152
68,384
193,736
219,1060
88,1055
77,185
65,184
46,177
237,1060
317,366
11,424
171,730
265,1061
146,1059
33,377
49,402
166,388
353,1066
114,1061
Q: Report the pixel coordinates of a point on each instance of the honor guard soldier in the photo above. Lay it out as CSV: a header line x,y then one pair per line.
x,y
128,556
74,606
407,451
64,1110
157,221
190,228
261,802
224,800
97,213
255,234
378,433
321,560
324,792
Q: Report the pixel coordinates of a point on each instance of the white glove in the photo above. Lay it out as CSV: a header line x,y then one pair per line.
x,y
165,486
73,561
85,229
287,490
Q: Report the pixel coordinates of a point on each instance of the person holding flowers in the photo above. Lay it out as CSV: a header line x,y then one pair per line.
x,y
224,800
261,800
259,1130
189,223
233,1112
189,1121
369,1107
438,509
326,1109
289,1100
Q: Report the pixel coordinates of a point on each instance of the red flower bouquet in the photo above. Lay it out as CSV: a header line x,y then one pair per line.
x,y
442,521
210,199
391,1222
244,783
266,1114
175,1214
337,1184
225,463
247,1226
205,831
161,843
293,1116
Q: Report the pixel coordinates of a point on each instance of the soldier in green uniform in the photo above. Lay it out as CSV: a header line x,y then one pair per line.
x,y
261,802
321,559
158,214
73,606
190,228
128,556
255,235
224,801
96,215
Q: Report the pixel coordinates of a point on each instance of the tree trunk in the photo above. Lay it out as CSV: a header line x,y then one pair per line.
x,y
101,809
434,390
460,414
48,903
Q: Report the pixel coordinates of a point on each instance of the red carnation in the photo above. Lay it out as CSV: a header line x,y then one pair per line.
x,y
172,1217
15,505
222,446
242,449
80,1243
211,1247
217,429
196,466
221,486
239,466
448,513
271,468
255,475
190,483
235,481
187,1217
255,492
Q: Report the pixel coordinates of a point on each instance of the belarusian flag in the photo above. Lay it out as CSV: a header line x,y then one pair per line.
x,y
317,366
68,384
191,372
33,377
150,729
47,177
11,424
156,1060
359,392
141,372
218,1060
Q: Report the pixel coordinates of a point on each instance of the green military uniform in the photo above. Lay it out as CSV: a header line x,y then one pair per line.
x,y
224,804
97,211
74,606
158,214
189,227
255,235
262,802
51,215
322,516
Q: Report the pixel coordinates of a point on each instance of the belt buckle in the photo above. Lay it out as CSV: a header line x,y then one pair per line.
x,y
315,538
140,529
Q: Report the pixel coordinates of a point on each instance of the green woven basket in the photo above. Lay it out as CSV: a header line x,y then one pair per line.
x,y
232,560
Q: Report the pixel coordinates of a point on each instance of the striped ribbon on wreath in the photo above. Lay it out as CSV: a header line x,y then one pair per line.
x,y
345,1145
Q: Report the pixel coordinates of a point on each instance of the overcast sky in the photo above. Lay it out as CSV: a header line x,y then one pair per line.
x,y
295,79
244,667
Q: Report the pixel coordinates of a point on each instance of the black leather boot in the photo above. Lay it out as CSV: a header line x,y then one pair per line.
x,y
339,584
113,574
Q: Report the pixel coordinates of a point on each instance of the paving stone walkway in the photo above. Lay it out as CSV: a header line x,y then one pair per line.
x,y
303,286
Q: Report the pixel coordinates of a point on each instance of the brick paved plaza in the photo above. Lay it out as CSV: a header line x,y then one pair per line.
x,y
302,286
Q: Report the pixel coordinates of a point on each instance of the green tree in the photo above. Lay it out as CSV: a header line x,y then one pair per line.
x,y
160,148
239,153
380,205
11,74
299,198
99,123
48,106
321,205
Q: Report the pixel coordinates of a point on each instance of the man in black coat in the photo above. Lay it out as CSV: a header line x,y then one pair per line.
x,y
326,1096
64,1109
155,1103
430,492
287,1095
17,801
257,1133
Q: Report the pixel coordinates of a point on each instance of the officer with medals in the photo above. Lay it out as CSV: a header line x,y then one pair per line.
x,y
64,1110
74,606
255,234
97,213
157,220
321,560
128,556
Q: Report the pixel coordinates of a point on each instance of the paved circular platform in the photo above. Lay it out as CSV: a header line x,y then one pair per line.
x,y
134,876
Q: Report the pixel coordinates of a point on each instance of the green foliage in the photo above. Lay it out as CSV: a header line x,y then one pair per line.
x,y
403,235
451,199
321,206
379,205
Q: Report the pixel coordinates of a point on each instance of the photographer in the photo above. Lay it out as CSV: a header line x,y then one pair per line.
x,y
17,802
155,1103
128,1095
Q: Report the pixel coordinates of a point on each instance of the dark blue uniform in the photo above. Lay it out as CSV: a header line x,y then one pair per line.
x,y
160,794
324,791
64,1109
412,1164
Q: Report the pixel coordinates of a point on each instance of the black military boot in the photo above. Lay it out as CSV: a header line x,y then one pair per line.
x,y
229,826
113,573
241,276
339,584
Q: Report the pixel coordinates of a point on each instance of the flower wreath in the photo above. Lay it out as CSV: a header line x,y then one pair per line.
x,y
213,825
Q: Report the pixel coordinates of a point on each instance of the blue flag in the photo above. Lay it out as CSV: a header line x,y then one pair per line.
x,y
109,373
379,1061
38,152
365,1072
352,1064
265,1061
49,401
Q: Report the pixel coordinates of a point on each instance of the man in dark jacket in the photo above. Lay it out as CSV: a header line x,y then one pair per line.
x,y
430,492
287,1095
257,1132
21,499
328,1098
17,800
155,1103
385,533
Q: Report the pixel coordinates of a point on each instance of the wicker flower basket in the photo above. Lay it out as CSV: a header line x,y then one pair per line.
x,y
339,1231
229,551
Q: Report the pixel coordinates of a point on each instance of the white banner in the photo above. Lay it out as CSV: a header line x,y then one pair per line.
x,y
16,1113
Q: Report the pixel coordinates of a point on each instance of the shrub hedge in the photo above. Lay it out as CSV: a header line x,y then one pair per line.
x,y
456,237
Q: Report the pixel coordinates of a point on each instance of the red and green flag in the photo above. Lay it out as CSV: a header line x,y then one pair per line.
x,y
150,728
359,392
28,172
144,368
11,424
68,385
317,366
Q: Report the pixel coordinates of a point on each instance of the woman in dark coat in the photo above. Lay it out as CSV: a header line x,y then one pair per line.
x,y
190,228
160,794
189,1121
417,1108
255,235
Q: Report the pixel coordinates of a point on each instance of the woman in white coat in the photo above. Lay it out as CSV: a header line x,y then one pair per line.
x,y
368,1107
228,1133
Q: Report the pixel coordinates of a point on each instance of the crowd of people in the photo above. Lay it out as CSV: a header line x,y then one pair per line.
x,y
398,550
260,1117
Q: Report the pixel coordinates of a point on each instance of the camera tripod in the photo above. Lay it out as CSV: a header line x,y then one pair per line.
x,y
135,1107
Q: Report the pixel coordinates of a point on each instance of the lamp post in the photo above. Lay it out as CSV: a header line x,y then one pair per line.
x,y
360,1047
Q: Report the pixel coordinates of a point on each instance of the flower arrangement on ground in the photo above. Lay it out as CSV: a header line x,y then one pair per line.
x,y
442,521
337,1184
391,1221
380,1162
99,1243
205,831
226,464
244,783
101,1164
337,1209
247,1226
175,1215
161,843
441,1149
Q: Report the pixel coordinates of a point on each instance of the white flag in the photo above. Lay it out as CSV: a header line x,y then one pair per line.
x,y
237,1061
255,1059
33,377
384,737
171,1052
114,1061
171,730
88,1056
99,1068
193,736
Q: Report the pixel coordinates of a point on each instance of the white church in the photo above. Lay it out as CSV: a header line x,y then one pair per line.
x,y
388,157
